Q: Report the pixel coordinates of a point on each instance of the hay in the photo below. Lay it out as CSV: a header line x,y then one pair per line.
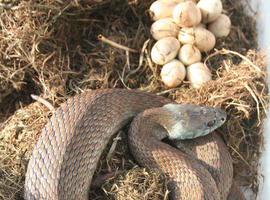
x,y
17,138
138,184
51,48
241,90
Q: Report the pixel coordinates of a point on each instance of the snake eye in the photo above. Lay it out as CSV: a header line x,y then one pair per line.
x,y
211,123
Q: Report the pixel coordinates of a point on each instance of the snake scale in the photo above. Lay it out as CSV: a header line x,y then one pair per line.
x,y
66,155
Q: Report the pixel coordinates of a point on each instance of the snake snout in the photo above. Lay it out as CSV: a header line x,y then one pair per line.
x,y
221,115
219,118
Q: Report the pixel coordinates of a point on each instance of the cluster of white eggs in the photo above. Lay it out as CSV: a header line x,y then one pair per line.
x,y
183,29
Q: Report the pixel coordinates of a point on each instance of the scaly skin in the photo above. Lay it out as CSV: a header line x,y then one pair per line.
x,y
218,162
66,155
188,178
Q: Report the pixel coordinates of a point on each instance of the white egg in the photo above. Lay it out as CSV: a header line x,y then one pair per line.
x,y
186,35
221,27
189,54
210,9
164,28
203,39
165,50
173,73
180,1
187,14
161,9
198,74
201,25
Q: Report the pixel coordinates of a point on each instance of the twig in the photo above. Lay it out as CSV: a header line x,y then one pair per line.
x,y
43,101
142,53
123,81
240,156
114,44
113,146
166,91
141,59
255,99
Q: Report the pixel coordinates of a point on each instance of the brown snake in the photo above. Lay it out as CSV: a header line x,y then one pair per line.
x,y
66,155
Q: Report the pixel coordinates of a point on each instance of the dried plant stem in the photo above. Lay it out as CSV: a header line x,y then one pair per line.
x,y
114,44
43,101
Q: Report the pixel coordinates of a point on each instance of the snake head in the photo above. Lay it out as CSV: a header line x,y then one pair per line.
x,y
190,121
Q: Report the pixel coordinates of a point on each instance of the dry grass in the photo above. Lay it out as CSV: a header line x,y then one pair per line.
x,y
138,184
51,48
241,90
16,139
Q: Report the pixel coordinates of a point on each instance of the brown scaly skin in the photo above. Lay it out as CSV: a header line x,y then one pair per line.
x,y
189,180
66,155
218,162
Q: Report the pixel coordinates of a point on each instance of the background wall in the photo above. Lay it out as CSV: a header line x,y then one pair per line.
x,y
262,9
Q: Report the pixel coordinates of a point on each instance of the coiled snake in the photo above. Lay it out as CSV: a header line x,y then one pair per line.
x,y
66,155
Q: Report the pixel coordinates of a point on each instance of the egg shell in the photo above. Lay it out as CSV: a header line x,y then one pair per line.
x,y
173,73
189,54
204,39
221,27
164,28
181,1
186,35
210,9
165,50
198,74
161,9
187,14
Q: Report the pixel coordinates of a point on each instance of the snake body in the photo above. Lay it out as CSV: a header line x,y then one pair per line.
x,y
66,155
218,162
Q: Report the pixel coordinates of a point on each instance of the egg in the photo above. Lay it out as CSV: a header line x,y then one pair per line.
x,y
221,27
189,54
201,25
181,1
161,9
164,28
198,74
210,9
187,14
186,35
165,50
203,39
173,73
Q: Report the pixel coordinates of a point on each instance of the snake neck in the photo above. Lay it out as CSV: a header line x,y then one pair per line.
x,y
145,135
162,119
186,121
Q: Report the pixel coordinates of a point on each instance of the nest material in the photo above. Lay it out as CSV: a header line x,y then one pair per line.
x,y
137,184
51,48
17,138
242,91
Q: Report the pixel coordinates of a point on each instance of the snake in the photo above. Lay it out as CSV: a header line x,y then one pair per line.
x,y
197,165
